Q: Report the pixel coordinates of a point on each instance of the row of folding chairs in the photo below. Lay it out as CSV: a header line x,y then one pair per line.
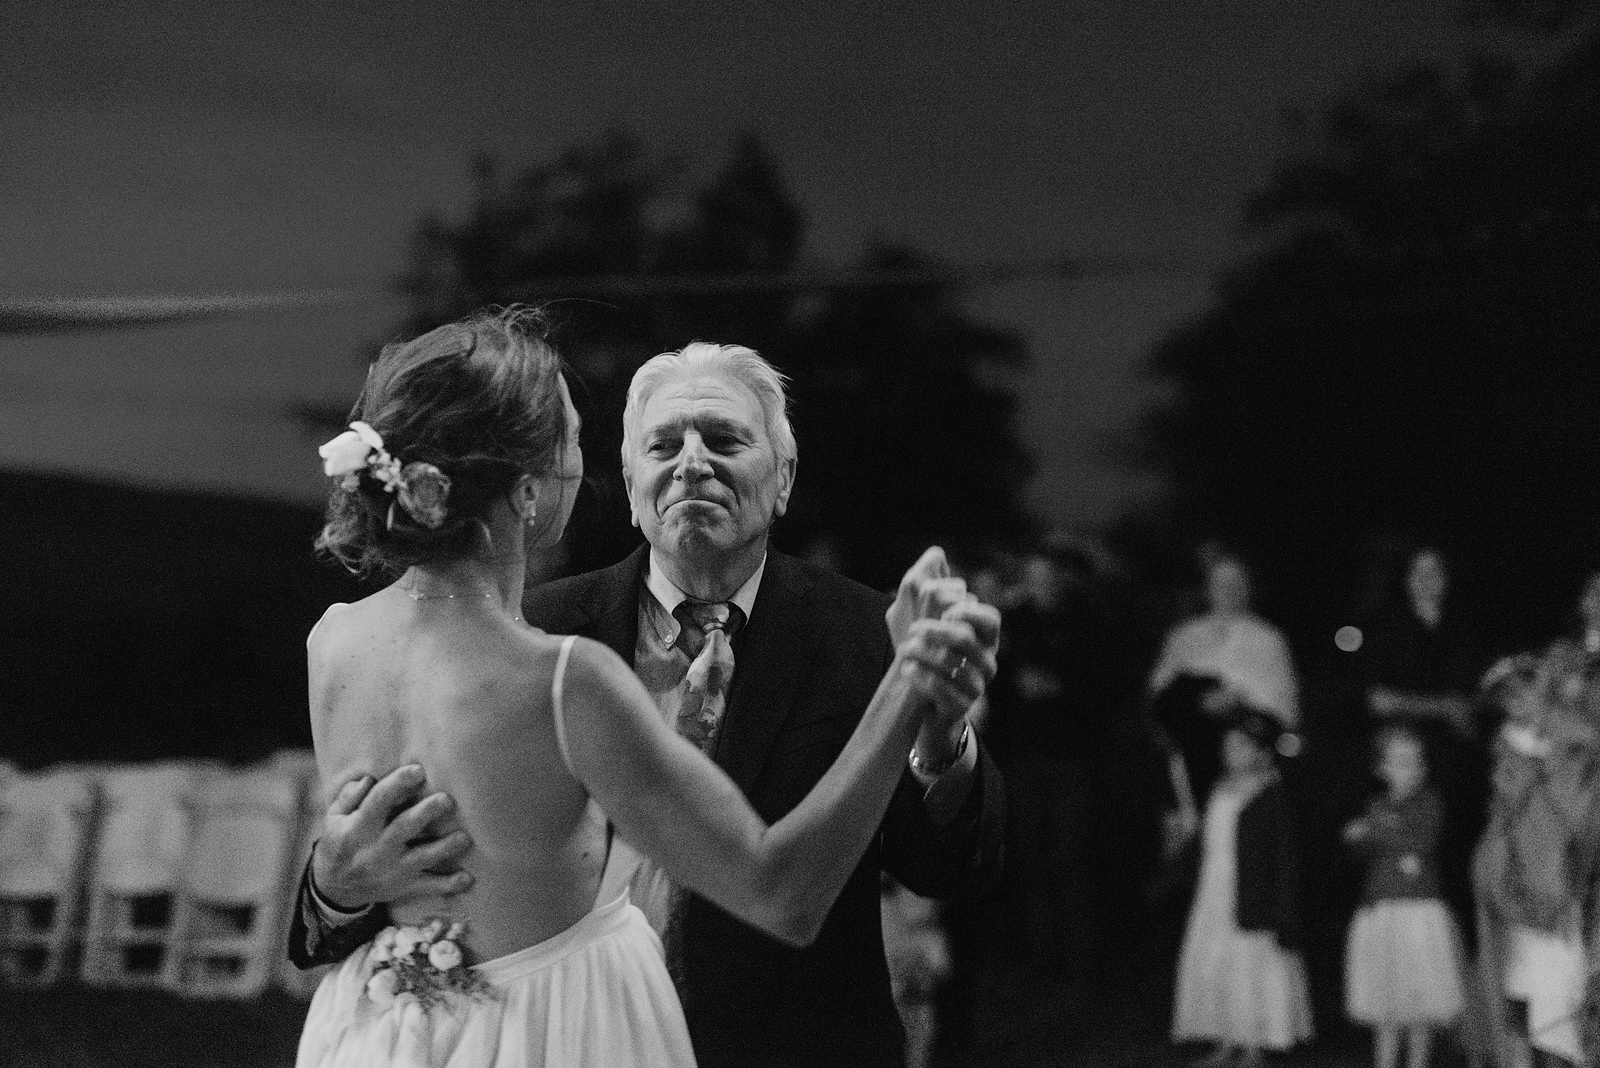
x,y
176,875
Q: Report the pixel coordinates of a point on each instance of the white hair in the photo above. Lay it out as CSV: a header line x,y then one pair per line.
x,y
744,365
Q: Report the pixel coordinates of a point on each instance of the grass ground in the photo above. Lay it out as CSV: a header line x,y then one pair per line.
x,y
1027,1024
73,1026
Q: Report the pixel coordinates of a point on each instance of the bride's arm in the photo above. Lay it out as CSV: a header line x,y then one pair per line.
x,y
676,806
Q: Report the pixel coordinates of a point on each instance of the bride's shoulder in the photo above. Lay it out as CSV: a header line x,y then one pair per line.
x,y
341,621
328,621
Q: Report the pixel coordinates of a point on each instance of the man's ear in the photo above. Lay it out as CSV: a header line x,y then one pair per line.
x,y
787,470
627,486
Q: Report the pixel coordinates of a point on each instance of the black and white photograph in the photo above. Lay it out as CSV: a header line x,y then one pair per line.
x,y
644,534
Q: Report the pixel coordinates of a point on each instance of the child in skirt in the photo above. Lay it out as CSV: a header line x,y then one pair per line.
x,y
1241,984
1403,972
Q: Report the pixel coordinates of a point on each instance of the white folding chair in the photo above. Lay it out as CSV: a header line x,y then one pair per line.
x,y
143,844
45,834
231,906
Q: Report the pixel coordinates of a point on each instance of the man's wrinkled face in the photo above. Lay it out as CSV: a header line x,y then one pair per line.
x,y
704,478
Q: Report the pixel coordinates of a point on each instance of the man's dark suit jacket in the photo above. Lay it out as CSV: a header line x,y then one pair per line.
x,y
807,665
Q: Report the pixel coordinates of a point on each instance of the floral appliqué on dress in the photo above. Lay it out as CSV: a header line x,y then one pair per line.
x,y
424,962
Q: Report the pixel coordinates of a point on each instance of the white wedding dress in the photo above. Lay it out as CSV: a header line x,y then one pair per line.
x,y
597,995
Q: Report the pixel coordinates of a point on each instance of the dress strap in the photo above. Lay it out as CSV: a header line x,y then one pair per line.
x,y
557,684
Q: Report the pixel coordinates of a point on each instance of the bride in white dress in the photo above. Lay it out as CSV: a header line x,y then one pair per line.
x,y
463,460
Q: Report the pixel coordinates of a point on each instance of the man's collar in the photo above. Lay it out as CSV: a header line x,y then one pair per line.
x,y
669,597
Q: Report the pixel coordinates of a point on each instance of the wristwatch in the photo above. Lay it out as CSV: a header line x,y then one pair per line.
x,y
933,769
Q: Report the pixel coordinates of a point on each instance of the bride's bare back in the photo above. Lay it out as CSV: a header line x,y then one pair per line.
x,y
466,693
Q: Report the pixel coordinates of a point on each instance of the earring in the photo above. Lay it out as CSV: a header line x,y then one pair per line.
x,y
533,513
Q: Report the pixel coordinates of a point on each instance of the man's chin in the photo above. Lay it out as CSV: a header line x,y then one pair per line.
x,y
696,538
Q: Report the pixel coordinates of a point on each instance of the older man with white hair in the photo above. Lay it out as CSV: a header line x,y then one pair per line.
x,y
766,663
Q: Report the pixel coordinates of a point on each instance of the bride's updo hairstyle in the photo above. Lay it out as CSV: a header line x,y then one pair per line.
x,y
477,399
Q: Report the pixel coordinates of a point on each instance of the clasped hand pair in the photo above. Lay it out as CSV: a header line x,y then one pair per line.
x,y
942,632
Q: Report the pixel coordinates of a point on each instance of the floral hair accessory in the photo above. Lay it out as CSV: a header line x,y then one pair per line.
x,y
359,447
423,491
420,488
424,961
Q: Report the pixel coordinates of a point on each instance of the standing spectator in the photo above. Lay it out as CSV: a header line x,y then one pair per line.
x,y
1224,659
1241,984
1421,660
918,951
1403,964
1539,862
1053,716
1054,697
1419,665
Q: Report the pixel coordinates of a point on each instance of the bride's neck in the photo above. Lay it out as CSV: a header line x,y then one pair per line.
x,y
497,582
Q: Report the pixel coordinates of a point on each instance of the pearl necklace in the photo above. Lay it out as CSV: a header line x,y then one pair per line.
x,y
515,617
448,596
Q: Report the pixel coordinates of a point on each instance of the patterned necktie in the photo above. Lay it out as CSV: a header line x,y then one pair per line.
x,y
707,633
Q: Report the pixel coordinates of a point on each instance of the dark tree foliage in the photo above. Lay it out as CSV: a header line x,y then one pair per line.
x,y
906,431
1414,351
1544,18
142,625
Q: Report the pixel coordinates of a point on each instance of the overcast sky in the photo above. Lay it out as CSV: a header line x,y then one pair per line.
x,y
204,148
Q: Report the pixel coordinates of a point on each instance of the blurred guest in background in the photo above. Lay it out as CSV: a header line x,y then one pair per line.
x,y
1240,982
1053,696
920,965
1420,660
1419,664
1402,961
1225,659
1537,868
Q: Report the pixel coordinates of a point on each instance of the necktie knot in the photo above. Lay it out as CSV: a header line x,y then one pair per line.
x,y
700,618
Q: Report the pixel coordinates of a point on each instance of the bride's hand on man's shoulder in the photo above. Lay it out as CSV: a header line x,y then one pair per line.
x,y
379,842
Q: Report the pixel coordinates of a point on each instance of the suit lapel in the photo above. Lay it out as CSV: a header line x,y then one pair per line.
x,y
615,597
770,658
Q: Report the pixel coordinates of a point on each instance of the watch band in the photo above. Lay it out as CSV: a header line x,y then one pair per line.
x,y
934,769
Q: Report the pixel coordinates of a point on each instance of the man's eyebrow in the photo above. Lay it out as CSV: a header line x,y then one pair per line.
x,y
722,423
703,423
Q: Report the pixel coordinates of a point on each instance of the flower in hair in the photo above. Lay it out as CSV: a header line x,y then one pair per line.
x,y
424,489
420,488
359,447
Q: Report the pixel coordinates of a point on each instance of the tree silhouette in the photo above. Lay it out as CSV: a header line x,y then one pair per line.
x,y
905,426
1413,349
